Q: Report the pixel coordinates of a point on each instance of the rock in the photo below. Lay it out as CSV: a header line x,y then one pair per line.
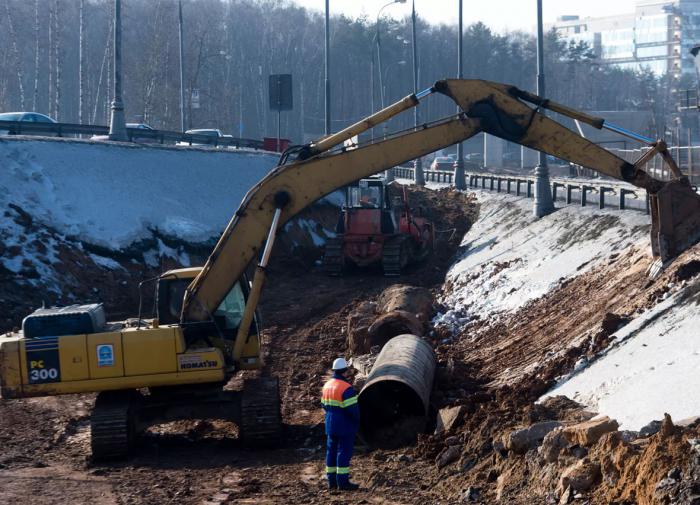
x,y
674,473
565,496
589,432
394,323
664,483
520,441
467,463
471,494
359,321
452,441
580,476
552,445
411,299
449,455
667,427
695,445
449,418
650,429
405,458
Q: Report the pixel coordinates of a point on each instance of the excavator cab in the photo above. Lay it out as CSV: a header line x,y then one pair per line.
x,y
221,330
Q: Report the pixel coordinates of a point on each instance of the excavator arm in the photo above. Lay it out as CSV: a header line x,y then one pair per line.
x,y
497,109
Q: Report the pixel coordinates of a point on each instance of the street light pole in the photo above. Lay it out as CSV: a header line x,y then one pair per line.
x,y
389,173
117,124
543,191
182,69
327,66
418,175
460,182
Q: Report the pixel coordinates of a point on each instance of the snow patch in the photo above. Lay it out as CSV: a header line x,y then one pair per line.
x,y
650,369
112,195
510,257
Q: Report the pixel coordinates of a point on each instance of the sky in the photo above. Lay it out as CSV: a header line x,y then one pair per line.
x,y
499,15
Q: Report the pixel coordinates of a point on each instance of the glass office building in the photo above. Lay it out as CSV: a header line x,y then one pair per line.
x,y
658,36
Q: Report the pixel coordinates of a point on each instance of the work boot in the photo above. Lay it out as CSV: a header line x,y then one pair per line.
x,y
332,481
348,486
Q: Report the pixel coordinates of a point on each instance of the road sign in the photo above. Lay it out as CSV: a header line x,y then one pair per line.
x,y
281,92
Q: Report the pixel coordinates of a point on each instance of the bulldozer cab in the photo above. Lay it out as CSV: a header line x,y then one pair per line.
x,y
367,194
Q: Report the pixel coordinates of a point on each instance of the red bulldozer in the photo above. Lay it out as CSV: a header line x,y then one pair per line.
x,y
374,228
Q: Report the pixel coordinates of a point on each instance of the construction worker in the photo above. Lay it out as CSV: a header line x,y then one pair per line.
x,y
342,421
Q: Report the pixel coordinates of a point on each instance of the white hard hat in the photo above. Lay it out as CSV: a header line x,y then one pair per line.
x,y
340,364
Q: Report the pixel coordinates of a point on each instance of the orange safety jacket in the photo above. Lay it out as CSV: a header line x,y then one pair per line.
x,y
339,400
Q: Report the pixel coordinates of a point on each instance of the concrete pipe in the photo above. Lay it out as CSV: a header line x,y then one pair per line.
x,y
394,401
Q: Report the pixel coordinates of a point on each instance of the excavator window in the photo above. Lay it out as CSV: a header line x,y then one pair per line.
x,y
230,312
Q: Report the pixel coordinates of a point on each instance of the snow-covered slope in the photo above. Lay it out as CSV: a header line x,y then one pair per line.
x,y
111,195
511,258
651,367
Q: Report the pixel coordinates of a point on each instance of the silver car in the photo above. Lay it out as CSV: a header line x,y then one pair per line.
x,y
29,117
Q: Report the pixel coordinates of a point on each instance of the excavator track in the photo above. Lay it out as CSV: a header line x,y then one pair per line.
x,y
395,255
113,424
261,421
333,257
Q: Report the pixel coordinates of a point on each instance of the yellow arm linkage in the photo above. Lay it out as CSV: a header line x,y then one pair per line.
x,y
494,108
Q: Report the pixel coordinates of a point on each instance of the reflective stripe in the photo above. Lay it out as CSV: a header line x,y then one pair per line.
x,y
350,401
335,403
331,469
343,470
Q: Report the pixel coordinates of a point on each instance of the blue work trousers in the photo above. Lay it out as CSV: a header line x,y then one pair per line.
x,y
338,454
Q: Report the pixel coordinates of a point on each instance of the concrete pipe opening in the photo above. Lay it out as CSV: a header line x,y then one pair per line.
x,y
394,401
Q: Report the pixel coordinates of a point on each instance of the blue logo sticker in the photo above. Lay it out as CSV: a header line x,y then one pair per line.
x,y
105,355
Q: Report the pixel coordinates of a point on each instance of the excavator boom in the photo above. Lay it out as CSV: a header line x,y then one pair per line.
x,y
494,108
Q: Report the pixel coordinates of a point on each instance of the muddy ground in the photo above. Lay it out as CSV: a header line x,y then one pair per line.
x,y
493,370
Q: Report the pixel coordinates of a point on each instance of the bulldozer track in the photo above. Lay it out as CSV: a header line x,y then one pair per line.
x,y
261,421
395,255
113,424
333,257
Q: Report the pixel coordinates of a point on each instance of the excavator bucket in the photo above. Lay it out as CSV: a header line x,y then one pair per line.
x,y
675,219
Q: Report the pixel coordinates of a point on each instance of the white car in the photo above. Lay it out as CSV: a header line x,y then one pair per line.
x,y
209,132
29,117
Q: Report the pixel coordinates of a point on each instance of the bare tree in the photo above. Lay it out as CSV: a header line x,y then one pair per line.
x,y
15,51
36,55
81,62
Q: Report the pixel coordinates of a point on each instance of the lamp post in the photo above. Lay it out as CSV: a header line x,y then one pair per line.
x,y
460,182
389,173
327,71
182,67
117,124
418,175
543,190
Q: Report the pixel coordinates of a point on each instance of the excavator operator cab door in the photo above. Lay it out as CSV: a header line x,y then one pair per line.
x,y
226,318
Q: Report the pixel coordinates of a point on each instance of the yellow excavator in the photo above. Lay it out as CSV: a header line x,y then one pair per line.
x,y
175,365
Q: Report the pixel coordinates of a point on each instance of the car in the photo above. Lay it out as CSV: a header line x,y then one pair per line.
x,y
29,117
139,126
442,163
209,132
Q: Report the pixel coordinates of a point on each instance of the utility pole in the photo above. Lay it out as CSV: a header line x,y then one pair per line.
x,y
117,125
543,190
418,175
182,68
460,182
327,66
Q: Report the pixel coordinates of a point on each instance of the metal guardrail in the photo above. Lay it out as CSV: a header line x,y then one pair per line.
x,y
524,186
158,136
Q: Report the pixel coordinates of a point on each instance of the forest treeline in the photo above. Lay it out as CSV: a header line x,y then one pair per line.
x,y
56,58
